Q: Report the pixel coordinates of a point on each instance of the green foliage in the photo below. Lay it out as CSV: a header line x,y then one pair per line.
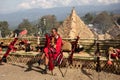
x,y
42,25
88,18
118,21
60,22
104,21
47,22
26,24
4,28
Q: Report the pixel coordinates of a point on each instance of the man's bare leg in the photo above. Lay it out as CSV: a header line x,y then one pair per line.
x,y
42,57
46,65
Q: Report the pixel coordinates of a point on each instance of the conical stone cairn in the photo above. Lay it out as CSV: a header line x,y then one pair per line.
x,y
73,26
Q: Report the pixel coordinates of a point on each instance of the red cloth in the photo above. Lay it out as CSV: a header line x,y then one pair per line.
x,y
109,62
25,41
58,47
46,52
47,42
59,59
56,50
113,55
118,51
0,49
52,53
47,45
24,32
51,61
10,47
116,54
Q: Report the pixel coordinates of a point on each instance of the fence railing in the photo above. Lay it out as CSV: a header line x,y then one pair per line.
x,y
88,63
89,46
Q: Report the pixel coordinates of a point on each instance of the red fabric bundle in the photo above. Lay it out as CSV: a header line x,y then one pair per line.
x,y
24,32
109,62
10,47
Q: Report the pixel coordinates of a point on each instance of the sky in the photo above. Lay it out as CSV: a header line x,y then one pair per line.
x,y
9,6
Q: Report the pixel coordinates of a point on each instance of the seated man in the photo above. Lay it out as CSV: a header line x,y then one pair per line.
x,y
114,53
52,49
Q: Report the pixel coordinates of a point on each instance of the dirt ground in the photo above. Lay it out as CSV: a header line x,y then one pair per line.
x,y
18,72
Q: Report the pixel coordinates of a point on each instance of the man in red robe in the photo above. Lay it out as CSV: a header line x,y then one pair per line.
x,y
53,50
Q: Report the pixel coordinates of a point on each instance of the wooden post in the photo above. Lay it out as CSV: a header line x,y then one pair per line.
x,y
38,40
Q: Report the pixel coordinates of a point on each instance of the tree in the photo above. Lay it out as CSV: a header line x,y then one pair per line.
x,y
103,21
118,21
88,18
26,24
4,28
47,22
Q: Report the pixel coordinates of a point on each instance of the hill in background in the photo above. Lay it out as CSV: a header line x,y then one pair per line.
x,y
60,12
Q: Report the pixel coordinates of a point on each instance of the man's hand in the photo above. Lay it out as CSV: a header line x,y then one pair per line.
x,y
54,46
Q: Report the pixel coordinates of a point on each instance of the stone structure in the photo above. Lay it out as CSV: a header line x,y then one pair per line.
x,y
73,26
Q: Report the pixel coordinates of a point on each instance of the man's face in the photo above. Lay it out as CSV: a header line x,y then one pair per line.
x,y
53,32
